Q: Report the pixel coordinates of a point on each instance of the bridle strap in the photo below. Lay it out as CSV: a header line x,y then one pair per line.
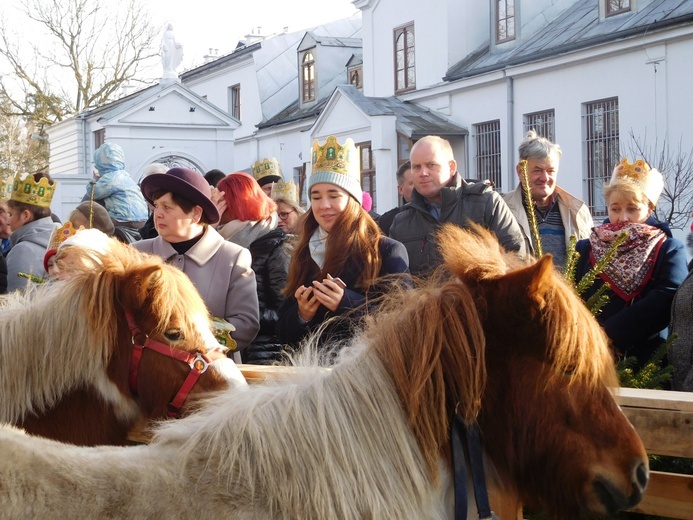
x,y
197,362
476,467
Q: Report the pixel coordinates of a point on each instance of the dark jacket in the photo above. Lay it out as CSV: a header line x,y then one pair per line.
x,y
3,275
270,263
394,262
386,219
634,326
415,227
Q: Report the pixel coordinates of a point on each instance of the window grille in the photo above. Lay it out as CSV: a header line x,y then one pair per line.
x,y
487,138
543,123
601,149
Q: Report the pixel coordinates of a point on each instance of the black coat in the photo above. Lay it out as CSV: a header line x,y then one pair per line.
x,y
270,262
395,261
3,275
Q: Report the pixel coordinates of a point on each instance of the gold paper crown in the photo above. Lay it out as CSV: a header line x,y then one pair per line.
x,y
267,168
336,158
61,234
649,180
285,190
27,191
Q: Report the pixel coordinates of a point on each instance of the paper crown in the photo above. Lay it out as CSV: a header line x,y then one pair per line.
x,y
285,190
59,235
337,164
267,171
649,180
27,191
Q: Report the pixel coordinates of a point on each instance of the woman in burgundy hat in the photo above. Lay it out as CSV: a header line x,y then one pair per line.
x,y
221,270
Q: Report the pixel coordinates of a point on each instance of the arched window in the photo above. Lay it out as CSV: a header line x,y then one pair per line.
x,y
308,77
405,70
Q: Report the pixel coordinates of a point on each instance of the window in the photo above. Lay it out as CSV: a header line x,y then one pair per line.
x,y
601,149
543,123
235,101
617,7
355,77
367,162
99,138
308,77
505,20
405,71
487,138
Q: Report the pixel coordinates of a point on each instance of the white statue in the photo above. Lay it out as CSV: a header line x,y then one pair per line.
x,y
171,53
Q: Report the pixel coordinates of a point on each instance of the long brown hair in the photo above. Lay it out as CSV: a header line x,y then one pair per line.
x,y
354,240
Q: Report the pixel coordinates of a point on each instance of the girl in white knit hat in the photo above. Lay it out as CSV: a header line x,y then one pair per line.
x,y
340,256
646,269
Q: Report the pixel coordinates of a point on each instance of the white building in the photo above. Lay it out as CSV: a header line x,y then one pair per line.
x,y
586,73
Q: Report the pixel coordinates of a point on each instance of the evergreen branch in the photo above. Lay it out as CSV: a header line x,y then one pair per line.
x,y
596,302
529,208
571,261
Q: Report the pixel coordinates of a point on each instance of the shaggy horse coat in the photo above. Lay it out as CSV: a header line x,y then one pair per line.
x,y
65,349
513,347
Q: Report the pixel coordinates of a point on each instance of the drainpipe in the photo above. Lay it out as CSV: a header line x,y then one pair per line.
x,y
510,133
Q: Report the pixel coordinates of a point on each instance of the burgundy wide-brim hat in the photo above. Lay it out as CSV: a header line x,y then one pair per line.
x,y
186,183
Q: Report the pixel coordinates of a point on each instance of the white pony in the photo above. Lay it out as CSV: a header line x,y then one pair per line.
x,y
370,438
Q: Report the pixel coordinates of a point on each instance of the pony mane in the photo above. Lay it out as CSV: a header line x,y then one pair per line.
x,y
67,330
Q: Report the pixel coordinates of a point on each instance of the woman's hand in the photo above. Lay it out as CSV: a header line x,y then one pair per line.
x,y
329,292
219,201
307,303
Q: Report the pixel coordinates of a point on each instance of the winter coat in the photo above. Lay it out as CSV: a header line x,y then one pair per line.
x,y
415,227
29,244
635,327
222,274
575,215
115,188
3,275
290,328
681,351
271,264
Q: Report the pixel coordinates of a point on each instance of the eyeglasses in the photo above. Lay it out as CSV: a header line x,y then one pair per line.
x,y
285,214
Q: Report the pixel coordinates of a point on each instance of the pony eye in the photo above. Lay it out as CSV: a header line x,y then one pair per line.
x,y
568,372
174,335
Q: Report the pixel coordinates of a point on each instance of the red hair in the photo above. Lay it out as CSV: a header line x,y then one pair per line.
x,y
245,200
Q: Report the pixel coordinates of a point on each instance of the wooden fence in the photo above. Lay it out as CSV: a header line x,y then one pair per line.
x,y
664,421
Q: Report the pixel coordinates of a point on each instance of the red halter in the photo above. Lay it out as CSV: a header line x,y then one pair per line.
x,y
198,364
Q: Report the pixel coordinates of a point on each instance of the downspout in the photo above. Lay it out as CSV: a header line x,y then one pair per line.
x,y
85,146
510,133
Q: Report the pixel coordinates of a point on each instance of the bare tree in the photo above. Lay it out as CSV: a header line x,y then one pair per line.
x,y
89,50
676,202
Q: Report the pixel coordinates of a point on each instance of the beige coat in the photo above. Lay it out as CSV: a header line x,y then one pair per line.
x,y
576,216
221,272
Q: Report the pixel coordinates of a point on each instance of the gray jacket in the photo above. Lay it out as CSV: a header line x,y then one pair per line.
x,y
575,215
221,272
29,244
415,227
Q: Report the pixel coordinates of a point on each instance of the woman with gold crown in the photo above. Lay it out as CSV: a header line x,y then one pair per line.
x,y
646,269
341,257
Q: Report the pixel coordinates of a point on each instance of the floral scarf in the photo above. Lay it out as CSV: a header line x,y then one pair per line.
x,y
631,267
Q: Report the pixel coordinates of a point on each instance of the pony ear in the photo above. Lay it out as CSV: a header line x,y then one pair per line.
x,y
537,279
137,283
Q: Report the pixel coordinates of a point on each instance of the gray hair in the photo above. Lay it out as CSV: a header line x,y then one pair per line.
x,y
534,146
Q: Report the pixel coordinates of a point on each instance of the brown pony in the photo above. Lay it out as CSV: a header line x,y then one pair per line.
x,y
508,345
66,350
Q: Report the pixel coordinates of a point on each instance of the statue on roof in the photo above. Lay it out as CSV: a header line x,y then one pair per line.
x,y
171,53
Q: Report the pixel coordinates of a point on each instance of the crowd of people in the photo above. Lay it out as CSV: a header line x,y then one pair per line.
x,y
277,271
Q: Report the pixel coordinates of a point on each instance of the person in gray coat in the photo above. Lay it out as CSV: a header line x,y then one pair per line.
x,y
29,218
435,202
220,270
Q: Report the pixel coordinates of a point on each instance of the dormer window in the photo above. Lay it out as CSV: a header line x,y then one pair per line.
x,y
405,70
612,7
308,77
505,20
355,78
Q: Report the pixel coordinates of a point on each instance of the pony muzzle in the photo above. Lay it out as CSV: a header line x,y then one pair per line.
x,y
613,498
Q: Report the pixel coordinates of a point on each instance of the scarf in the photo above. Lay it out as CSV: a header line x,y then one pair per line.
x,y
318,246
631,266
245,232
